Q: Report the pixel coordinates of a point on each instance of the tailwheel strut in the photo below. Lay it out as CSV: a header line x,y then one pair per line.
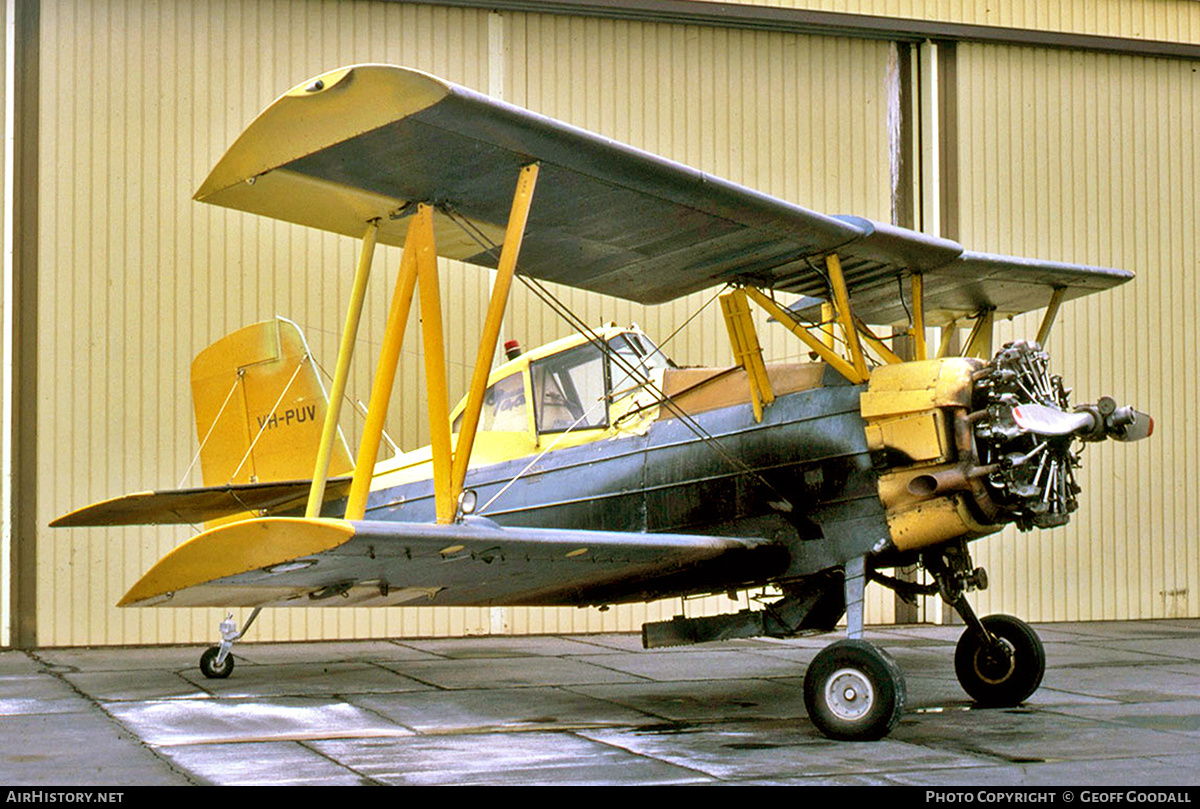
x,y
217,661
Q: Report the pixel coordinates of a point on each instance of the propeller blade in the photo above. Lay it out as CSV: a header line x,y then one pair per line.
x,y
1042,420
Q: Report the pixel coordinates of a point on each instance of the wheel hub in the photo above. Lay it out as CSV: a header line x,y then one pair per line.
x,y
849,694
995,665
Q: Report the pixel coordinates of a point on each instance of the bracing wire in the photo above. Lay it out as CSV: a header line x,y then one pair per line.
x,y
589,334
211,427
266,422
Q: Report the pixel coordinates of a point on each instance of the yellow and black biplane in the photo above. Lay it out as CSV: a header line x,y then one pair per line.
x,y
592,471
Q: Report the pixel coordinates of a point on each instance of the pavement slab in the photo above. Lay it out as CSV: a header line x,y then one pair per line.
x,y
1119,705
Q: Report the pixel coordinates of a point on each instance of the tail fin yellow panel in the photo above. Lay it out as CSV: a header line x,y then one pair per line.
x,y
260,406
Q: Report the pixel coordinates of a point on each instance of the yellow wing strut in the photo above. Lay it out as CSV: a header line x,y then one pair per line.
x,y
519,215
418,270
920,351
841,301
1056,299
385,377
746,350
342,373
435,362
817,346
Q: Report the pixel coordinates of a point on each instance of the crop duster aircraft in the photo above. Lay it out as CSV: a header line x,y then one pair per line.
x,y
592,471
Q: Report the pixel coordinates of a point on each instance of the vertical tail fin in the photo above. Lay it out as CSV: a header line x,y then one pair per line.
x,y
260,407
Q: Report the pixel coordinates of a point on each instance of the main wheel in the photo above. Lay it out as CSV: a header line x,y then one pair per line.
x,y
1004,676
209,667
854,691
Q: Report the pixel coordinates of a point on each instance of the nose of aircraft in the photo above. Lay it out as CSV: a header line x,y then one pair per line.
x,y
1025,425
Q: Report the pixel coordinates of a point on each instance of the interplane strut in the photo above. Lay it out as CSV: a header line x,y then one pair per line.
x,y
418,271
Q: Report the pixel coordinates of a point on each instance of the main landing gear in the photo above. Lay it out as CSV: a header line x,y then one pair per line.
x,y
217,663
854,691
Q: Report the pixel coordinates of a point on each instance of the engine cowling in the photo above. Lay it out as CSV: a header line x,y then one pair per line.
x,y
964,447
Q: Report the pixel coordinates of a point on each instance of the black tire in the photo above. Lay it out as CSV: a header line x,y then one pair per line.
x,y
209,667
1001,680
854,691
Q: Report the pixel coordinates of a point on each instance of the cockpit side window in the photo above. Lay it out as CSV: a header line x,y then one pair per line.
x,y
570,390
503,406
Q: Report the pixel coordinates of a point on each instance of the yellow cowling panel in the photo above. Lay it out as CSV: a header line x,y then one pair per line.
x,y
933,522
920,436
911,410
915,386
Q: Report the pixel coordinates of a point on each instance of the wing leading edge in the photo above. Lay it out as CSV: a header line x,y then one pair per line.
x,y
367,141
284,561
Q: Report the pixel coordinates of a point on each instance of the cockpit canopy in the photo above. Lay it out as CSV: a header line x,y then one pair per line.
x,y
573,384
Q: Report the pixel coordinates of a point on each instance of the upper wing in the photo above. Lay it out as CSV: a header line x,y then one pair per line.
x,y
283,562
363,142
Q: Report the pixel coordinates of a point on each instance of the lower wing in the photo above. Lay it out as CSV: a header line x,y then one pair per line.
x,y
283,561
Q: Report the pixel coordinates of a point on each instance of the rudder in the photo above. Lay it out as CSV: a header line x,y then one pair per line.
x,y
260,407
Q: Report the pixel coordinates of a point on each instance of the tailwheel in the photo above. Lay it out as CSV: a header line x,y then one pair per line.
x,y
217,661
854,691
211,668
1005,673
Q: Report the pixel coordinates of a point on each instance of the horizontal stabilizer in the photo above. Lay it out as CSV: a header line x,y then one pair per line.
x,y
190,506
283,562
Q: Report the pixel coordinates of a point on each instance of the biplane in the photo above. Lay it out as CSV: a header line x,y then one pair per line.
x,y
593,471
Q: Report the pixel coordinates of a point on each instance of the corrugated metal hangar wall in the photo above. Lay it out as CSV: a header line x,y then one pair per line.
x,y
1064,134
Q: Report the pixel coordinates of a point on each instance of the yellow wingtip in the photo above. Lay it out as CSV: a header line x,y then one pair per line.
x,y
229,550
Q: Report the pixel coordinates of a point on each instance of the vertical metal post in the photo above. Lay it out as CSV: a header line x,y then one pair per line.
x,y
513,235
385,379
918,326
316,494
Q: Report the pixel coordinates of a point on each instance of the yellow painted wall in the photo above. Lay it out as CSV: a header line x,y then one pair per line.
x,y
1093,158
139,100
1160,20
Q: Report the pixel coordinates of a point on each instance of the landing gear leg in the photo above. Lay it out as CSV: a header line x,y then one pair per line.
x,y
999,660
217,663
856,585
854,690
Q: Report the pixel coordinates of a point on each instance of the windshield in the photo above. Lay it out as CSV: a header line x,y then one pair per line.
x,y
634,352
